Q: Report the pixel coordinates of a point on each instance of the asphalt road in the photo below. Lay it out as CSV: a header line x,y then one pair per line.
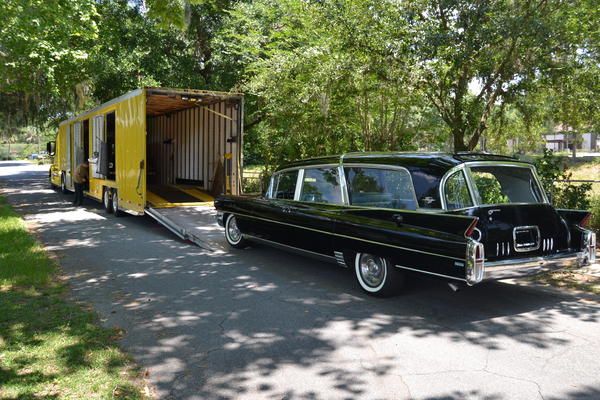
x,y
265,324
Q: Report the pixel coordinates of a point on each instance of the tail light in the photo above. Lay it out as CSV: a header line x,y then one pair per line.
x,y
475,262
585,220
471,228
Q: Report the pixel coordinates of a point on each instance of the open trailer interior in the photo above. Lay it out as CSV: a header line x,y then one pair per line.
x,y
193,142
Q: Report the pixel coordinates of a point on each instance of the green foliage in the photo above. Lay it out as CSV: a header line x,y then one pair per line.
x,y
320,76
552,168
318,90
49,347
594,223
489,189
135,52
22,260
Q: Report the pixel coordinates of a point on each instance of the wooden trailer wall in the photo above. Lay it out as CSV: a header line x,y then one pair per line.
x,y
201,143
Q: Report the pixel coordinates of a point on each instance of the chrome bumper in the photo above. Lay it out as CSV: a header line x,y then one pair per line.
x,y
518,268
219,218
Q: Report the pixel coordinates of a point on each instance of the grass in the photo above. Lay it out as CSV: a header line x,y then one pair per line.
x,y
22,259
588,171
571,279
50,346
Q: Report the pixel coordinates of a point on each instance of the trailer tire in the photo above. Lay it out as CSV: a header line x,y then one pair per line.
x,y
63,183
115,204
107,200
52,185
234,237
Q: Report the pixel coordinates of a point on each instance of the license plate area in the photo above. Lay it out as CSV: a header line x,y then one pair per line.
x,y
526,238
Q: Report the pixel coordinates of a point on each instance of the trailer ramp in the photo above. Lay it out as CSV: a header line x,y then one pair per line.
x,y
195,223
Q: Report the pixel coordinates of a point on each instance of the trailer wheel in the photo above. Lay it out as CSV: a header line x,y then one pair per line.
x,y
376,275
107,200
52,185
63,183
233,235
115,204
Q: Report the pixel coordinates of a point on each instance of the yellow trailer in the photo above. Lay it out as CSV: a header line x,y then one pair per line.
x,y
154,149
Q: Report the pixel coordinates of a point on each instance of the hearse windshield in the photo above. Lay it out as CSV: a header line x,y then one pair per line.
x,y
501,184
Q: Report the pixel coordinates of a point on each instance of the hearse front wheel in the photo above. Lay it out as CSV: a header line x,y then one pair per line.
x,y
233,235
376,275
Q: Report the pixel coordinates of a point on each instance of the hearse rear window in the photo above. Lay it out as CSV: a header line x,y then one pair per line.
x,y
502,184
457,192
284,185
378,187
321,185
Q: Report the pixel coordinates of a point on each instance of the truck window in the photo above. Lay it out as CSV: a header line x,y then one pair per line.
x,y
321,185
380,187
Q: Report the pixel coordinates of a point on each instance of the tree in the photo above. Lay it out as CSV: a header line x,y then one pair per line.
x,y
477,55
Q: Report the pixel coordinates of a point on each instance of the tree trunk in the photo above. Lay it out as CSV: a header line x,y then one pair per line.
x,y
459,141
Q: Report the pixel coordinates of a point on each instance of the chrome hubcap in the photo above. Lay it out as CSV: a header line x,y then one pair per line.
x,y
372,269
234,232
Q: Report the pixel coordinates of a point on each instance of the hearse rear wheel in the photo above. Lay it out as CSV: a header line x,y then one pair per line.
x,y
376,275
107,201
233,235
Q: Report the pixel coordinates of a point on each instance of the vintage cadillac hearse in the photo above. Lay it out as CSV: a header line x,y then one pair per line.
x,y
464,217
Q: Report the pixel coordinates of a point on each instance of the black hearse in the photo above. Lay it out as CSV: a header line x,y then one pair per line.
x,y
464,217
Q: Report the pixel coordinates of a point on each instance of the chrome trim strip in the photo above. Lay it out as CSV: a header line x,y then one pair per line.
x,y
431,273
343,184
288,246
299,181
345,236
339,256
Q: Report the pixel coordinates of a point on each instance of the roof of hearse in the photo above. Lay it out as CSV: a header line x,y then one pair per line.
x,y
404,159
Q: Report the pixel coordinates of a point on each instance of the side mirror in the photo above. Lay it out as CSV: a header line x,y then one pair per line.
x,y
50,148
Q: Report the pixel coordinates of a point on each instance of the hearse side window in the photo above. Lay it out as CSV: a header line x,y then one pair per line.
x,y
501,184
284,185
321,185
456,192
378,187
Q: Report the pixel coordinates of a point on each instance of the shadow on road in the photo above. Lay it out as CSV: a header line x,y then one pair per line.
x,y
241,323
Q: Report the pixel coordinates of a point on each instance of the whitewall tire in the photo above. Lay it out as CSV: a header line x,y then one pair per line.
x,y
233,235
376,275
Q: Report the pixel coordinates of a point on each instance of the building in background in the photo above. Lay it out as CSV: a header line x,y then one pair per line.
x,y
563,140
